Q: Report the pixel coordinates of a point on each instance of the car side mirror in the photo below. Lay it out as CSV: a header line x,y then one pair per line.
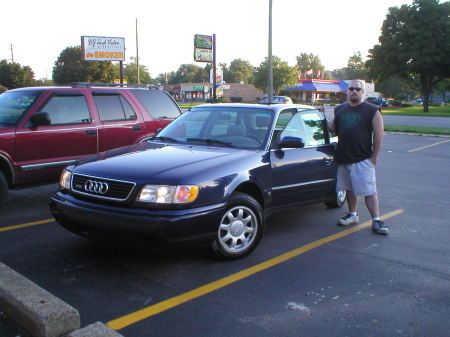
x,y
40,118
290,143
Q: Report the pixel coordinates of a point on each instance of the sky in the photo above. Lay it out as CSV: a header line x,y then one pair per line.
x,y
333,30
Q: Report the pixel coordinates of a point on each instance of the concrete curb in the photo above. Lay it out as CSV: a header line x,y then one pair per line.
x,y
416,134
33,308
94,330
40,313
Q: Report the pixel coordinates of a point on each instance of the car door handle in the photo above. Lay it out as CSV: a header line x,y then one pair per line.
x,y
328,160
91,132
137,128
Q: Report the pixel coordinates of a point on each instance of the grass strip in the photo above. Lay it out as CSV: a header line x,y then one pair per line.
x,y
417,129
418,111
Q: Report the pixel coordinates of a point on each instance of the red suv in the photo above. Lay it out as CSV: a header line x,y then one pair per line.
x,y
44,129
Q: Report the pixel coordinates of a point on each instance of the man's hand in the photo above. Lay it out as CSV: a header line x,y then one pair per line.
x,y
373,159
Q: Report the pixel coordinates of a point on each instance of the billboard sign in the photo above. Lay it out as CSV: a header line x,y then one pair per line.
x,y
203,41
219,76
203,55
100,48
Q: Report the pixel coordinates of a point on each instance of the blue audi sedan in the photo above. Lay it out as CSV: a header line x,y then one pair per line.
x,y
211,175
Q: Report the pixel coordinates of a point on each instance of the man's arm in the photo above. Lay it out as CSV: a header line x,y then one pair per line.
x,y
378,132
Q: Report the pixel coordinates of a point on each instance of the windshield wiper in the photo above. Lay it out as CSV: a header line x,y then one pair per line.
x,y
210,141
165,139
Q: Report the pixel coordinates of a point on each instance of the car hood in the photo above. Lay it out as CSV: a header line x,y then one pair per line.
x,y
155,162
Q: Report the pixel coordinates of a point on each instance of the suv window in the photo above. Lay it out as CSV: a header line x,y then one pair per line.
x,y
113,108
67,109
14,104
157,103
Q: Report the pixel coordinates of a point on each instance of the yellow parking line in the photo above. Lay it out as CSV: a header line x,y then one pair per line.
x,y
424,147
34,223
124,321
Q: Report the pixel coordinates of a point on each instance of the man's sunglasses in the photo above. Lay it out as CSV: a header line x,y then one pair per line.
x,y
353,88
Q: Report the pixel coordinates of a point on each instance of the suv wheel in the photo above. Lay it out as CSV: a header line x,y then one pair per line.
x,y
240,228
3,189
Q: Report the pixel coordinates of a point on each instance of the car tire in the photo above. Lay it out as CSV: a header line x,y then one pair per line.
x,y
240,229
338,200
3,189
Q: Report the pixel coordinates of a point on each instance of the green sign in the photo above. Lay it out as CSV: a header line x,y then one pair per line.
x,y
203,41
198,87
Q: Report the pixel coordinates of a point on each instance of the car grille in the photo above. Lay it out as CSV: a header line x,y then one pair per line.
x,y
108,189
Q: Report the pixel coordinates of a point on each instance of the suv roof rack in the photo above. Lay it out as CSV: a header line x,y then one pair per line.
x,y
118,85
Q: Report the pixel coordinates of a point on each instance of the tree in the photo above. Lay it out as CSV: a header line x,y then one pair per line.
x,y
356,68
307,62
130,72
283,75
13,75
188,73
69,68
394,85
443,88
414,45
240,71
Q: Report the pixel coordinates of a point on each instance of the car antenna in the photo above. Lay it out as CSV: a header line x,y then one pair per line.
x,y
192,100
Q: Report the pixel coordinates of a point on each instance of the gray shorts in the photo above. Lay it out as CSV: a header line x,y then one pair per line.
x,y
358,177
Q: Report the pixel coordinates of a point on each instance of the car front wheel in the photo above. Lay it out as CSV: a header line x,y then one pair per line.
x,y
240,228
338,201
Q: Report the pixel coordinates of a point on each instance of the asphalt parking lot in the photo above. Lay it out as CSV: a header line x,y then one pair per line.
x,y
308,277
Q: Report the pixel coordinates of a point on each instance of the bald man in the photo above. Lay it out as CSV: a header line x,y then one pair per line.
x,y
359,127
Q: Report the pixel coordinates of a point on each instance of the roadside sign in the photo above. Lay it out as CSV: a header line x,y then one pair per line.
x,y
101,48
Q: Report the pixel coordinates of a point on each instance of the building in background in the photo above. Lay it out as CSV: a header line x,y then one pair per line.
x,y
324,91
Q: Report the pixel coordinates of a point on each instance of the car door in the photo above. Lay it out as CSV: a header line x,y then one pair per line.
x,y
301,174
42,151
120,123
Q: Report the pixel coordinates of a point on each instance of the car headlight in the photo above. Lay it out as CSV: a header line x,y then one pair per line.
x,y
166,194
65,178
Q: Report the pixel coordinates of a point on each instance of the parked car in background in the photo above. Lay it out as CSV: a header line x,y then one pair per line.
x,y
44,129
377,101
212,175
277,100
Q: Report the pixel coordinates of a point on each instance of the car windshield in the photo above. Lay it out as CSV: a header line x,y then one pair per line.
x,y
14,104
246,128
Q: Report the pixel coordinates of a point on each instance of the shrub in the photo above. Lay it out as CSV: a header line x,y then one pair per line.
x,y
2,89
401,96
435,104
406,105
236,99
396,103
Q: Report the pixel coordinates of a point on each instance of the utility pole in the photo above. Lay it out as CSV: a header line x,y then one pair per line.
x,y
12,54
214,69
270,70
137,54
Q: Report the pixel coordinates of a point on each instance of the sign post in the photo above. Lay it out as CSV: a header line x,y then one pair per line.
x,y
205,51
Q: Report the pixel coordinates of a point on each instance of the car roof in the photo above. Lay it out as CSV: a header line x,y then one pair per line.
x,y
77,88
273,107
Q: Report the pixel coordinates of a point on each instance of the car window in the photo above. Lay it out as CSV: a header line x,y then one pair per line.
x,y
14,104
236,127
67,109
306,124
313,127
158,104
113,108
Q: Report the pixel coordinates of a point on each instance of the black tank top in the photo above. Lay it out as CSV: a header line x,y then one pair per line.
x,y
354,129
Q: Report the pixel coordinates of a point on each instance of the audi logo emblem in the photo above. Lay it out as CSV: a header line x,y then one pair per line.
x,y
96,187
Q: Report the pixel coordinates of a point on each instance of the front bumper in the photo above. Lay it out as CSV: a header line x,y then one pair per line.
x,y
85,217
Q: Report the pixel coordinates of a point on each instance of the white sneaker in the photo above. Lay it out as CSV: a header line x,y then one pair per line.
x,y
348,219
